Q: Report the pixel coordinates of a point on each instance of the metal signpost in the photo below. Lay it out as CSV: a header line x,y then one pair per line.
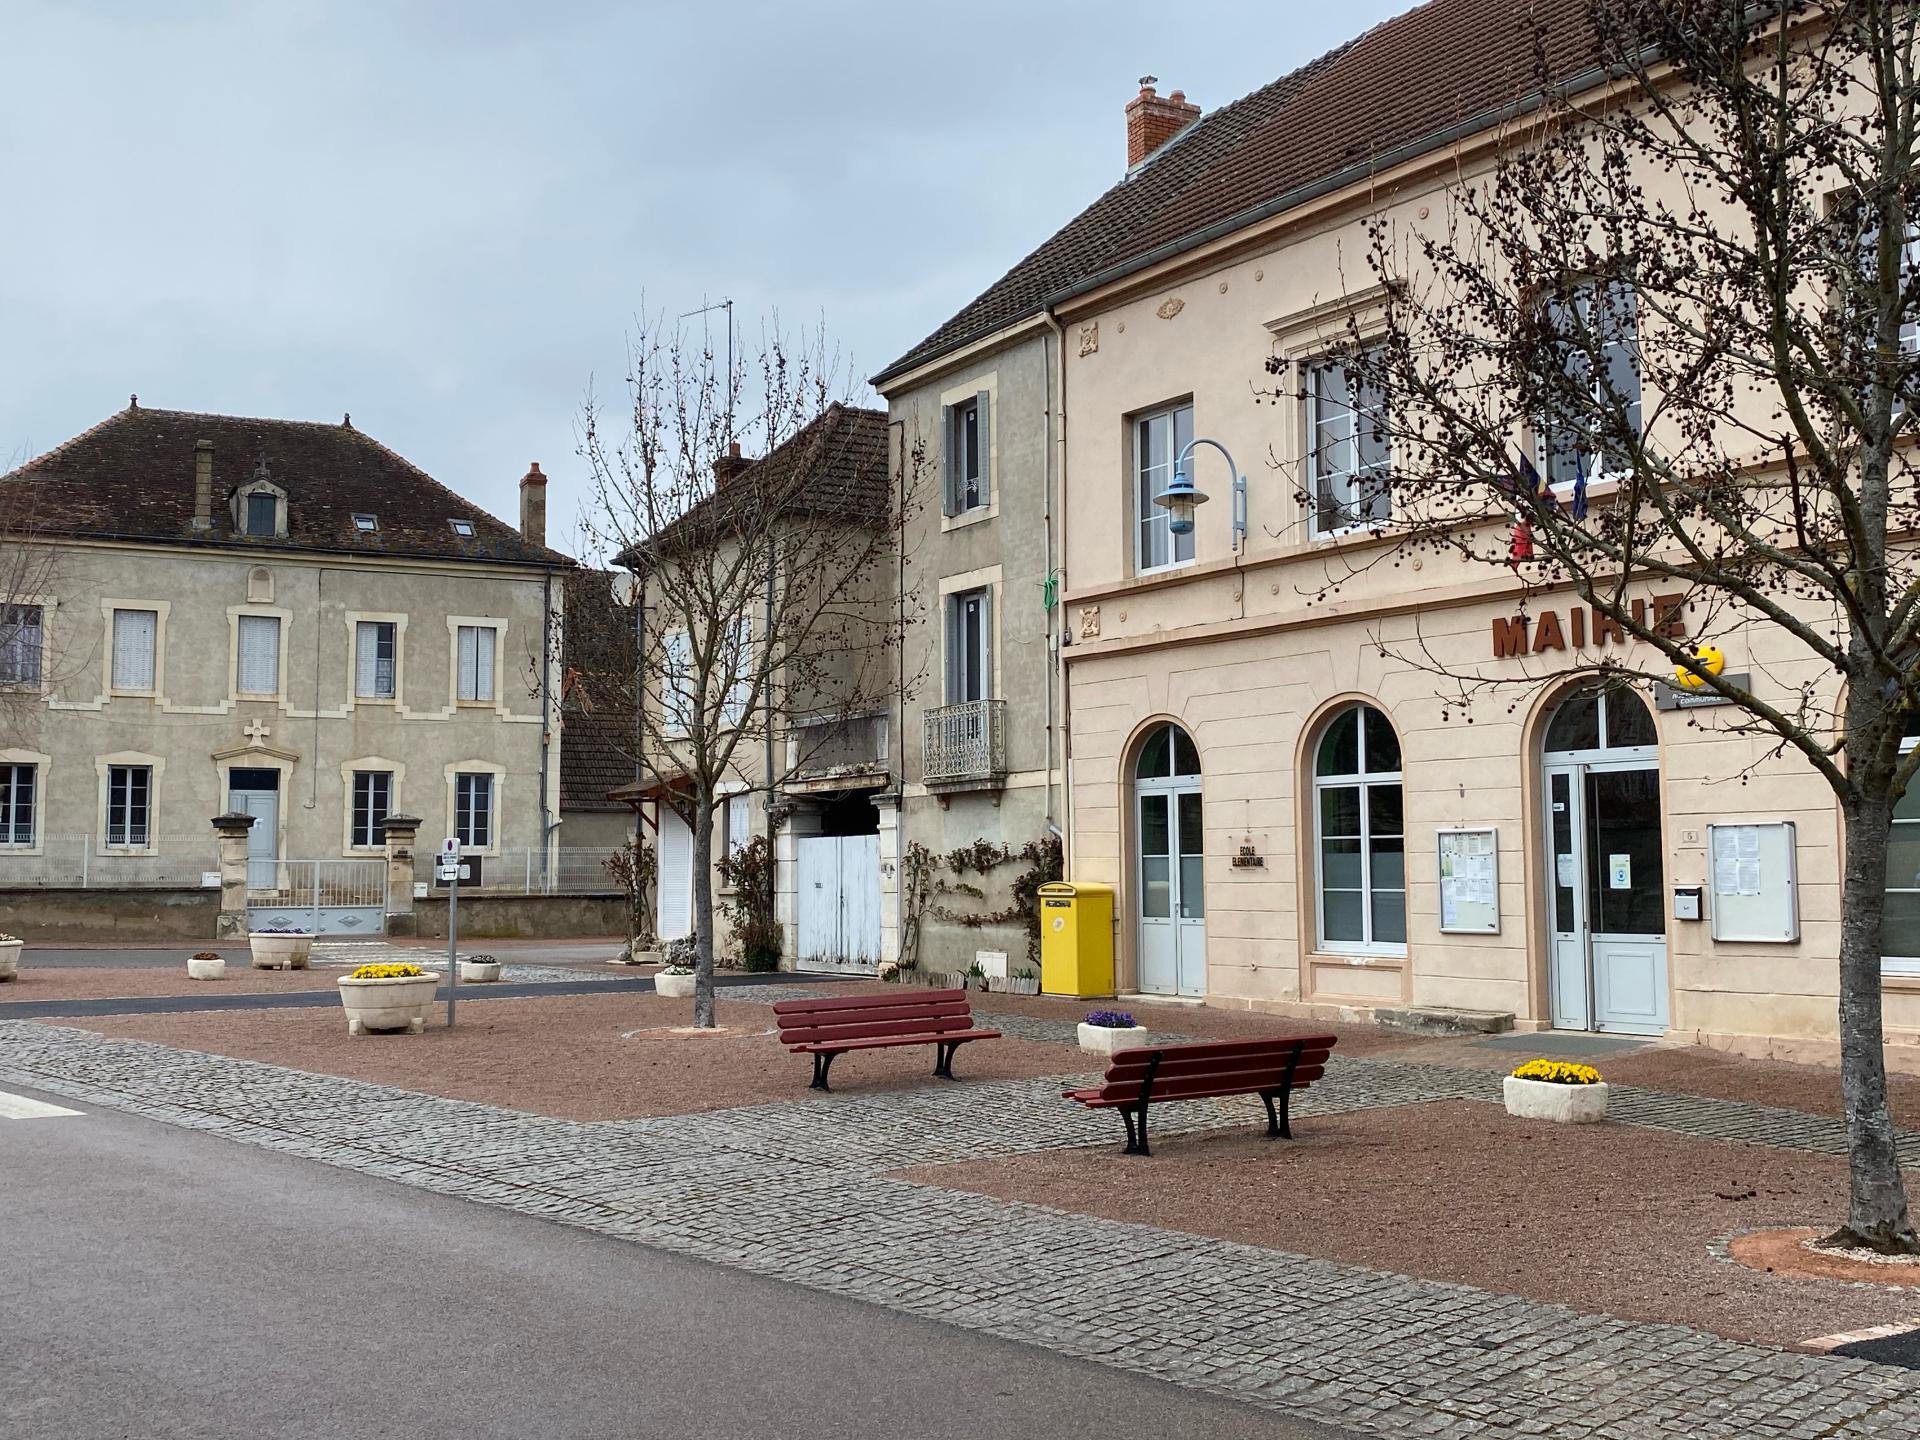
x,y
447,867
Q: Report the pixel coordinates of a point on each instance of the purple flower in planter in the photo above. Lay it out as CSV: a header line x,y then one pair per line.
x,y
1110,1019
280,930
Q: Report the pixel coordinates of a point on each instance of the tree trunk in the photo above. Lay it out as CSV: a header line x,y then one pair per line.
x,y
1877,1199
703,911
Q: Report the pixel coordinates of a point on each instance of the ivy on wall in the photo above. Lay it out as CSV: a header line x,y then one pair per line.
x,y
925,878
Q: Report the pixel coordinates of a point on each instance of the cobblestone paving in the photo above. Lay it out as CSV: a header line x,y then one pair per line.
x,y
798,1192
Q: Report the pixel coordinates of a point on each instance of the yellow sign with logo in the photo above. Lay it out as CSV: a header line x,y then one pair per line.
x,y
1709,658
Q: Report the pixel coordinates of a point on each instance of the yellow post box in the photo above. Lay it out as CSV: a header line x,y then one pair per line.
x,y
1076,939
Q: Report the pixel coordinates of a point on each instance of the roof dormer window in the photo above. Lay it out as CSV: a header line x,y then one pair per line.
x,y
462,528
366,524
263,513
260,506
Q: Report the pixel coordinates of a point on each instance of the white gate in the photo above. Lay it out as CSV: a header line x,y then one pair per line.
x,y
838,880
322,897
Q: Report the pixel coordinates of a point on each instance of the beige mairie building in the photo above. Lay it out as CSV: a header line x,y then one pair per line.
x,y
1291,818
279,618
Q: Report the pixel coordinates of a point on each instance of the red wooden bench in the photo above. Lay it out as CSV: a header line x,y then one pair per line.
x,y
1272,1069
829,1027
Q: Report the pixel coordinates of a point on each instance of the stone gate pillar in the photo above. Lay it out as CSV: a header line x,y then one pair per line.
x,y
889,808
400,832
232,828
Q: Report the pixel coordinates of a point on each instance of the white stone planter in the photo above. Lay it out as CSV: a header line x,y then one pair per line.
x,y
646,957
1563,1104
279,952
677,987
1105,1039
479,972
10,958
398,1004
214,969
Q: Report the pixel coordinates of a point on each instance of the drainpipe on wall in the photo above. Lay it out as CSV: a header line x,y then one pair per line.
x,y
1058,721
319,617
547,823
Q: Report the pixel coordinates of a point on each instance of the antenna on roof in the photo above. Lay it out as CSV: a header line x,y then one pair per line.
x,y
726,305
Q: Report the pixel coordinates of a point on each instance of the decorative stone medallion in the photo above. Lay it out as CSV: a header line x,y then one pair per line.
x,y
1170,308
1089,339
1089,622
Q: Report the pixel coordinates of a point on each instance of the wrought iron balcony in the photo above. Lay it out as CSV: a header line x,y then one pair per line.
x,y
964,746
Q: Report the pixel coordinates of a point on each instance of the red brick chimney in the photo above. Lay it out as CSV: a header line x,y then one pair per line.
x,y
533,506
729,464
1153,120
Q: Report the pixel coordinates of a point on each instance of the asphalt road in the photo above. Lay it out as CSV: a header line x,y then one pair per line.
x,y
155,1282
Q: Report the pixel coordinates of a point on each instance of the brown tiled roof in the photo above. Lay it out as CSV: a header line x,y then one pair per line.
x,y
1414,78
131,477
835,467
596,757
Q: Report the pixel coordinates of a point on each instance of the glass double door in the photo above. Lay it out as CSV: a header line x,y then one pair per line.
x,y
1606,889
1173,896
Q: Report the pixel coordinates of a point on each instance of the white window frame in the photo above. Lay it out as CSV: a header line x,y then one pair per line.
x,y
738,662
355,831
115,684
1364,781
739,821
10,788
1581,292
363,630
963,491
487,672
127,841
1904,964
251,622
23,641
678,695
1149,476
1322,418
490,844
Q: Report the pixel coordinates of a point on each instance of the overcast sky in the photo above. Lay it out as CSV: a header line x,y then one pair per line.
x,y
442,217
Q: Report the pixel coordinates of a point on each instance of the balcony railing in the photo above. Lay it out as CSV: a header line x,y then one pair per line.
x,y
965,745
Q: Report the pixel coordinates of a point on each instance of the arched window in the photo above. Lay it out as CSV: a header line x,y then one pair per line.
x,y
1360,837
1901,943
1167,754
1601,717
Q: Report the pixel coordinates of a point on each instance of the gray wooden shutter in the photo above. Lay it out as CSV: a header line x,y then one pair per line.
x,y
948,468
986,633
982,404
955,633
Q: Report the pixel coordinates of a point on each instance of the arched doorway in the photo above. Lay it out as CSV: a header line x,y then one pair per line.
x,y
1170,879
1606,880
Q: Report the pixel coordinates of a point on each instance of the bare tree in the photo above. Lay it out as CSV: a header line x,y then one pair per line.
x,y
30,561
1667,339
769,621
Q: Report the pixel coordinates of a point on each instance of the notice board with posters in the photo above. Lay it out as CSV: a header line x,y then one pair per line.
x,y
1470,881
1753,885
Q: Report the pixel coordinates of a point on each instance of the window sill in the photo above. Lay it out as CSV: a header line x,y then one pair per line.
x,y
475,705
119,694
979,514
1358,957
1162,570
377,700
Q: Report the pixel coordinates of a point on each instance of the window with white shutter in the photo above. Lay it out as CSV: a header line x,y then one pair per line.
x,y
258,672
375,653
134,635
21,640
476,649
739,669
677,688
739,821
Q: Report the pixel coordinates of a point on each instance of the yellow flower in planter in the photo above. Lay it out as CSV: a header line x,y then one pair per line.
x,y
1558,1072
386,972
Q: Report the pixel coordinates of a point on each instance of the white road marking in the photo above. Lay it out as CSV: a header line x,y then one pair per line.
x,y
19,1107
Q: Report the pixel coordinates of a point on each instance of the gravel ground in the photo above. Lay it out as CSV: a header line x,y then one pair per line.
x,y
589,1057
118,981
1602,1217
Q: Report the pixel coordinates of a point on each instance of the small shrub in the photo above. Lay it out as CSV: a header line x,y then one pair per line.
x,y
1110,1019
1558,1072
676,969
205,955
386,972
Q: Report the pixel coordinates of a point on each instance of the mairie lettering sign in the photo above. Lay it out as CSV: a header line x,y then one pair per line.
x,y
1584,627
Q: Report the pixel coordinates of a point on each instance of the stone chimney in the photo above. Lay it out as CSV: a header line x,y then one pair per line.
x,y
203,484
533,506
730,464
1152,120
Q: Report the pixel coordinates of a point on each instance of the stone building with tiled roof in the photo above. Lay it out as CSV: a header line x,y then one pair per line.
x,y
280,618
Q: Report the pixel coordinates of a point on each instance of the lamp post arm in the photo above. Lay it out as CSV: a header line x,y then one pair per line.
x,y
1239,484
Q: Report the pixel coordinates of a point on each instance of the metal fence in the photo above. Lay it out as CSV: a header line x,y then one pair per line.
x,y
517,870
78,862
967,741
323,897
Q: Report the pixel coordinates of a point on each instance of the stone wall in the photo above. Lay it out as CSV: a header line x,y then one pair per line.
x,y
129,915
532,917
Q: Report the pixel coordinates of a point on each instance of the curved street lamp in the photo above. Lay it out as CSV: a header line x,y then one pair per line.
x,y
1182,496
